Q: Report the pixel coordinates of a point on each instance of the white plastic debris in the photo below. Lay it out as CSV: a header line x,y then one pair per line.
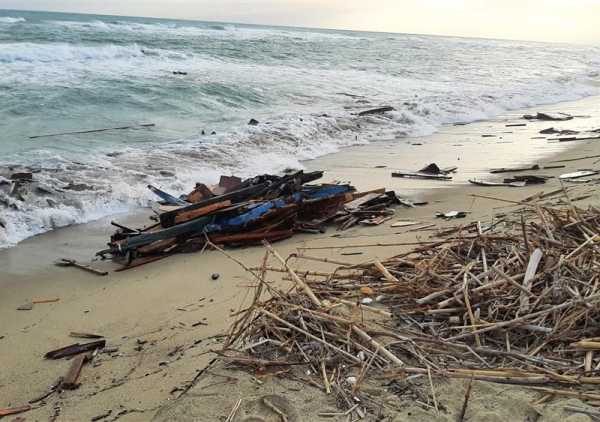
x,y
366,301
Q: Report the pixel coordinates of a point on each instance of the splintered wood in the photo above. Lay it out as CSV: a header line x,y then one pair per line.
x,y
514,303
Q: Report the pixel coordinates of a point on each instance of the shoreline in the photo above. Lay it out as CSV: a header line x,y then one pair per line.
x,y
457,144
88,209
145,303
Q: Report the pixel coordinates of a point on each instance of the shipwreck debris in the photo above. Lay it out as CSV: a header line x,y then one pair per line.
x,y
14,410
75,349
64,262
240,212
559,117
70,381
515,184
528,168
379,110
451,214
431,171
577,174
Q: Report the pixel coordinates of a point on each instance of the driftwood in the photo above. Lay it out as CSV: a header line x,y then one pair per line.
x,y
514,304
14,410
379,110
64,262
94,130
75,349
71,380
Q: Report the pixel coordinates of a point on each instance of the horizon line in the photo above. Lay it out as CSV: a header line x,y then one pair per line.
x,y
304,27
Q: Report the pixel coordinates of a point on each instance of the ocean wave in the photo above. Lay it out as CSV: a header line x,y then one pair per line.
x,y
305,87
68,191
205,29
64,52
10,20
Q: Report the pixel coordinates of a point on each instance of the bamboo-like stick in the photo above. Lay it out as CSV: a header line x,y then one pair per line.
x,y
385,272
294,276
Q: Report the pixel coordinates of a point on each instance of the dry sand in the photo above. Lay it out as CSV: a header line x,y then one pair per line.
x,y
179,313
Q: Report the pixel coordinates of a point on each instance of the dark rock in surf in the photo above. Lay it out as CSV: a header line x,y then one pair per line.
x,y
253,122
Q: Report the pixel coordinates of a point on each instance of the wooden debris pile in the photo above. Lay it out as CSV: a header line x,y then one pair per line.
x,y
239,213
515,303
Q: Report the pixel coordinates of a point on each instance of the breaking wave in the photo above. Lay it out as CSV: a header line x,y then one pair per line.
x,y
305,87
9,20
63,52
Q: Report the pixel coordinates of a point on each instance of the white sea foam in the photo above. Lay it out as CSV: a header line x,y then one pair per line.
x,y
304,86
212,30
10,20
63,52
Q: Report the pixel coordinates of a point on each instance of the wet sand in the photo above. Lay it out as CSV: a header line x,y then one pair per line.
x,y
180,313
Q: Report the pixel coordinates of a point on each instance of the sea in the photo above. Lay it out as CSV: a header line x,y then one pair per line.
x,y
200,83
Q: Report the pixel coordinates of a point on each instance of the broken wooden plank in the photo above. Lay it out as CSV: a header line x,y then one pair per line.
x,y
574,138
168,198
190,215
39,301
85,335
75,349
14,410
378,110
64,262
250,238
419,175
70,382
578,174
528,168
496,184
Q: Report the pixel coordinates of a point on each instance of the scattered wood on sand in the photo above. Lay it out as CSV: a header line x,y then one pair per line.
x,y
512,304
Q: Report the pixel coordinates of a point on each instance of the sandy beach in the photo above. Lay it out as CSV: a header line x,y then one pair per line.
x,y
162,320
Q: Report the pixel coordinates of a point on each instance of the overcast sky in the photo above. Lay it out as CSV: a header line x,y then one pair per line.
x,y
544,20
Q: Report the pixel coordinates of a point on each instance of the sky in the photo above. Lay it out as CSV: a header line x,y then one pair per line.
x,y
540,20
